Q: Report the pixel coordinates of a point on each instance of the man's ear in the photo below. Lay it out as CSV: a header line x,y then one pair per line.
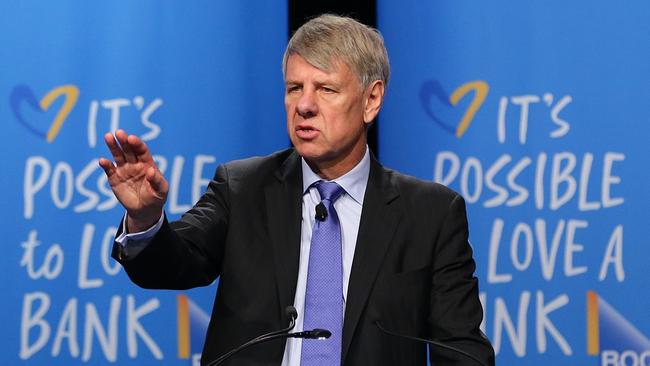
x,y
373,99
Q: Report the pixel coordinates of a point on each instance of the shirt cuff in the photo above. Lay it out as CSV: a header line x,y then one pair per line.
x,y
134,243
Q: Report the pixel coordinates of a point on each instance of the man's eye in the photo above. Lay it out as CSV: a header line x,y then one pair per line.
x,y
292,89
327,90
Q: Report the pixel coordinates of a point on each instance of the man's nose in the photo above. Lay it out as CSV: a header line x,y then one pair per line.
x,y
307,106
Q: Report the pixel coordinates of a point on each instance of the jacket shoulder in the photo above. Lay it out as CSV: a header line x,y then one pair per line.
x,y
420,190
257,166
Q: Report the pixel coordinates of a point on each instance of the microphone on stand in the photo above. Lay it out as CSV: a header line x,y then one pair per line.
x,y
315,333
292,314
431,342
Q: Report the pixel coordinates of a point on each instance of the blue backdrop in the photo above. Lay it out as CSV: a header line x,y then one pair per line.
x,y
201,82
537,114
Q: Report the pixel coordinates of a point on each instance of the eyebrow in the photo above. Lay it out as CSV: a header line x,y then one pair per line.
x,y
331,82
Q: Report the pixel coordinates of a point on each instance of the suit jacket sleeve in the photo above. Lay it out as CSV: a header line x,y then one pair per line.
x,y
456,312
188,252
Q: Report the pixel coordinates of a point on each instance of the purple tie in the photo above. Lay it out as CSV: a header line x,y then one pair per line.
x,y
324,295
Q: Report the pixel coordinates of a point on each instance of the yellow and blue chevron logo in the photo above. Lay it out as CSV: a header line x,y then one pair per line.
x,y
192,326
613,337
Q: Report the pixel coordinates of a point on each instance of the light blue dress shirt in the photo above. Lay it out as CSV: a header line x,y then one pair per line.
x,y
348,207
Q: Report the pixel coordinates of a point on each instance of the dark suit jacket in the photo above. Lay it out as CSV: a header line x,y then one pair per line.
x,y
412,267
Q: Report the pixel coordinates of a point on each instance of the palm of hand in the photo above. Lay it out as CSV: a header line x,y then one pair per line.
x,y
134,178
132,189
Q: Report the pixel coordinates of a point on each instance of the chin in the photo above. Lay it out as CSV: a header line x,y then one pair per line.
x,y
308,154
311,153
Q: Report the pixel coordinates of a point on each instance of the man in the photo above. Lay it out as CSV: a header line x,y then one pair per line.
x,y
383,250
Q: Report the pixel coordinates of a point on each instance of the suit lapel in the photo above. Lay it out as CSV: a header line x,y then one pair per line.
x,y
283,210
379,220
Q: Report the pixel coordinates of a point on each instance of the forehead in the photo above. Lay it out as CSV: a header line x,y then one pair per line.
x,y
298,69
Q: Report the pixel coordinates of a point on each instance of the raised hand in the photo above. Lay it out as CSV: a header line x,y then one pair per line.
x,y
135,180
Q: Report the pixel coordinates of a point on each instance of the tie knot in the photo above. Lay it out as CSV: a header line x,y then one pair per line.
x,y
329,190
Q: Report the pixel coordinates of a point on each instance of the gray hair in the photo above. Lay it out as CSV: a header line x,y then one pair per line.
x,y
328,38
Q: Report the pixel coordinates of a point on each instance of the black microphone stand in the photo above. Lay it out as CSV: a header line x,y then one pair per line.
x,y
282,333
309,334
431,342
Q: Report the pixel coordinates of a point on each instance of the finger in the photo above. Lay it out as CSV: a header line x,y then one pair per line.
x,y
118,154
108,166
123,139
140,149
157,182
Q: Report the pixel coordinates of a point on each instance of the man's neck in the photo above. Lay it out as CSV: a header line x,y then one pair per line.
x,y
330,170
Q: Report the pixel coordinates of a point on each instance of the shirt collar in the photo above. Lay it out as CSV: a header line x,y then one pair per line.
x,y
353,182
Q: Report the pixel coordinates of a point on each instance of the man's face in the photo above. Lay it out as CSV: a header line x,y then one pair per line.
x,y
325,114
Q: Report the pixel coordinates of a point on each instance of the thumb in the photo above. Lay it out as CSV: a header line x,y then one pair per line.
x,y
158,183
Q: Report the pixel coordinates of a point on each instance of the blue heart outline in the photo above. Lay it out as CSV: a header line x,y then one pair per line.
x,y
22,93
433,88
